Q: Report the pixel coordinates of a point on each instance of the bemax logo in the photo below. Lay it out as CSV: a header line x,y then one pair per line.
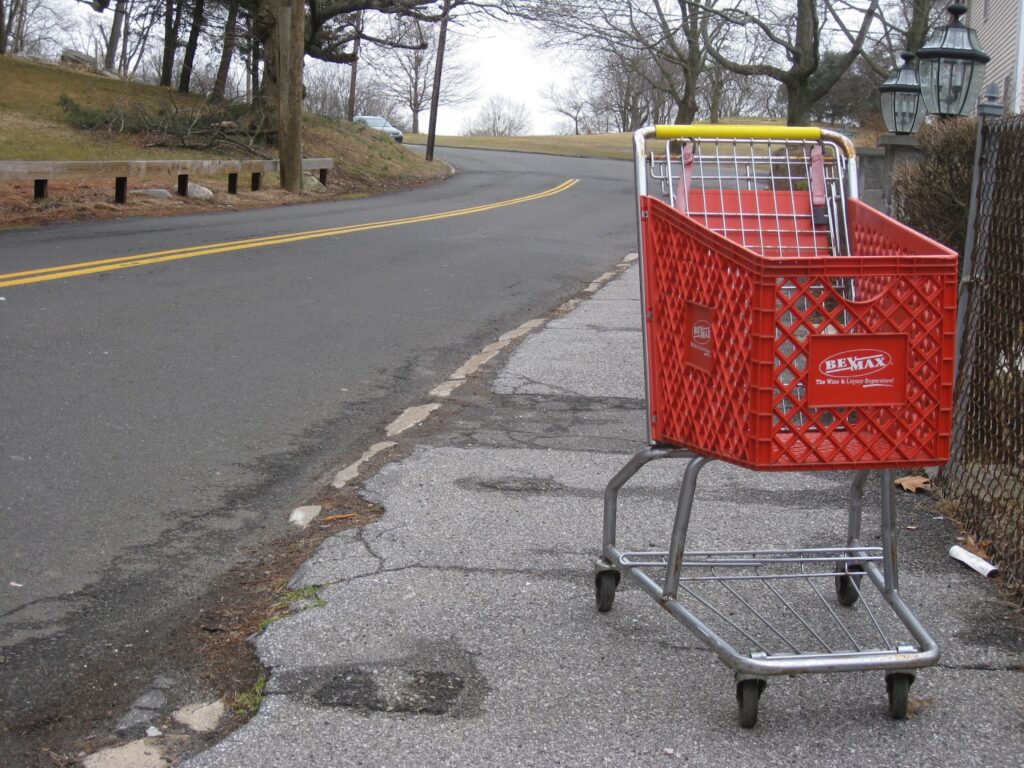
x,y
845,371
701,333
855,363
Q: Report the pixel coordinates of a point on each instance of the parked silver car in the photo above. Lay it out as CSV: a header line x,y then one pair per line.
x,y
379,124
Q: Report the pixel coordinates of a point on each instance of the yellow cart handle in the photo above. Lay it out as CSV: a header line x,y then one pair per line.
x,y
735,132
781,132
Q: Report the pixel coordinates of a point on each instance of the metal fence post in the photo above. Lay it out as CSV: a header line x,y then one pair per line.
x,y
984,480
989,109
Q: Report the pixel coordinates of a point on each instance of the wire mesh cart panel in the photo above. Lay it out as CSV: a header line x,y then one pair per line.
x,y
787,326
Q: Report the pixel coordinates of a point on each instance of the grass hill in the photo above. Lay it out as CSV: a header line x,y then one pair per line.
x,y
35,126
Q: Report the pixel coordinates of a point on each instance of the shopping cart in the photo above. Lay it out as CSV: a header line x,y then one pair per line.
x,y
787,326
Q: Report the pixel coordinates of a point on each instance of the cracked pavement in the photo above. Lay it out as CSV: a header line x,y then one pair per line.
x,y
460,629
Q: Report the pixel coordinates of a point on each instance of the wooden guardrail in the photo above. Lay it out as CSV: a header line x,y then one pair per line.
x,y
41,171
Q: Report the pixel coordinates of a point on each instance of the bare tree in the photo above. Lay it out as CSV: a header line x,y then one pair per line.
x,y
406,74
573,103
724,95
665,35
788,43
904,27
499,117
126,37
327,87
34,26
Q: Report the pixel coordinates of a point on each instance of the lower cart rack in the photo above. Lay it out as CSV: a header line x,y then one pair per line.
x,y
779,611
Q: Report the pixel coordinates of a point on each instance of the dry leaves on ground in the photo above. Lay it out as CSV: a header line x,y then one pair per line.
x,y
914,483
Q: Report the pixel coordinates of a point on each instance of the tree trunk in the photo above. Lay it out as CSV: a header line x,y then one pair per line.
x,y
110,59
917,30
188,63
3,29
258,57
799,101
122,66
694,65
259,30
172,26
16,23
289,41
715,102
227,52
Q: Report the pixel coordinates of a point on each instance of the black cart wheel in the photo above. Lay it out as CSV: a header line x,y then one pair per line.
x,y
748,694
605,583
897,685
848,585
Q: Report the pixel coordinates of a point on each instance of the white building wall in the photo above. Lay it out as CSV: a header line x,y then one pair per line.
x,y
1000,27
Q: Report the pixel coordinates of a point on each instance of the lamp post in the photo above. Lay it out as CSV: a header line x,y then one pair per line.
x,y
902,103
952,67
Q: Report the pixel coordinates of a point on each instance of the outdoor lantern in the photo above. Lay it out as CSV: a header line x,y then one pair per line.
x,y
902,104
951,66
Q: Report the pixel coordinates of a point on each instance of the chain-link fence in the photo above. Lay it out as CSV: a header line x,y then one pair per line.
x,y
985,478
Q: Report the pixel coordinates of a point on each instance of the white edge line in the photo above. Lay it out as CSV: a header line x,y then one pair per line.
x,y
410,418
351,472
417,414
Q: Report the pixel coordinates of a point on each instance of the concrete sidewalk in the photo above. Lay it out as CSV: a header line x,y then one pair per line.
x,y
461,630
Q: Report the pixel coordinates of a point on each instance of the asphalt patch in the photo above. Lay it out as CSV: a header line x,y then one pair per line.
x,y
389,688
432,679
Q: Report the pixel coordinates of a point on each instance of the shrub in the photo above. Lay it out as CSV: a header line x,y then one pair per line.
x,y
933,194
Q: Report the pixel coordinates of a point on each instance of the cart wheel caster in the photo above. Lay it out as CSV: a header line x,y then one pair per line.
x,y
847,586
897,685
748,693
605,583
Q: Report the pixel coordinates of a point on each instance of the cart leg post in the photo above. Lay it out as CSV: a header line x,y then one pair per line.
x,y
889,533
606,569
847,583
623,476
681,524
856,507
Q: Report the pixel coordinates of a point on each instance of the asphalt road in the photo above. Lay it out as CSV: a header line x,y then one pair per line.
x,y
156,419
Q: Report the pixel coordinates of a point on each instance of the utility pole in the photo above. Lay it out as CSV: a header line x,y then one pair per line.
x,y
291,39
435,95
355,68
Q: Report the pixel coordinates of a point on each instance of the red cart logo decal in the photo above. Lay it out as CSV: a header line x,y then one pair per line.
x,y
856,363
701,333
699,336
856,370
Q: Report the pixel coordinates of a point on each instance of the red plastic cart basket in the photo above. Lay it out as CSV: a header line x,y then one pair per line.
x,y
768,361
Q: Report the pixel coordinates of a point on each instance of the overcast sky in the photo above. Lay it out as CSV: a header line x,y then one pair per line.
x,y
505,63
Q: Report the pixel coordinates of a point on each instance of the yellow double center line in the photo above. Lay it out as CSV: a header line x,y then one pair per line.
x,y
156,257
